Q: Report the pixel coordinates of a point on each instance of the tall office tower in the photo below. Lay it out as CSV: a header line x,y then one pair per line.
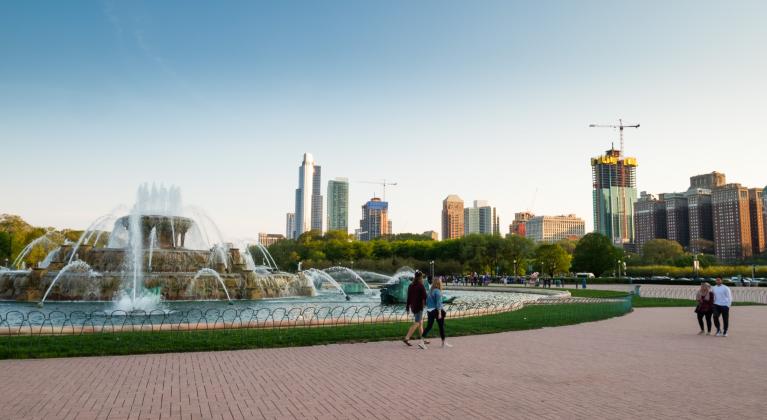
x,y
756,210
517,226
554,228
708,181
375,221
614,195
732,222
308,197
650,219
452,217
290,225
677,218
470,220
700,218
496,223
338,204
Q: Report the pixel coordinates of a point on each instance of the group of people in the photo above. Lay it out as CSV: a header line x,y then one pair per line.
x,y
714,302
417,299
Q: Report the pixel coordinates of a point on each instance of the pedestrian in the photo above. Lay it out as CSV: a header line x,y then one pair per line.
x,y
416,298
705,308
435,311
722,303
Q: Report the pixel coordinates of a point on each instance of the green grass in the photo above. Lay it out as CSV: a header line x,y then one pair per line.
x,y
642,302
530,317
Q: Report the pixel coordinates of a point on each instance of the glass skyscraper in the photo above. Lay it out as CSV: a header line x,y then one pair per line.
x,y
338,204
614,195
308,214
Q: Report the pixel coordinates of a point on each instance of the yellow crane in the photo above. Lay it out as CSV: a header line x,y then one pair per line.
x,y
620,127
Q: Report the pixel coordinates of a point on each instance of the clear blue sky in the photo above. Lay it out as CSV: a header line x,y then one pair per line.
x,y
487,100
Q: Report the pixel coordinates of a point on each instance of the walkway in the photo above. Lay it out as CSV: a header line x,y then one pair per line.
x,y
648,364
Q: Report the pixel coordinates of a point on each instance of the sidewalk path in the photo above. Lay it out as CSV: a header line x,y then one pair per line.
x,y
648,364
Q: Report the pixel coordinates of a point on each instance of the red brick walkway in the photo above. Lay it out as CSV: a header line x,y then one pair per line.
x,y
648,364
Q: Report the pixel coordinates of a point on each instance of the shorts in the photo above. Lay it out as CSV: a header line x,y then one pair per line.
x,y
417,316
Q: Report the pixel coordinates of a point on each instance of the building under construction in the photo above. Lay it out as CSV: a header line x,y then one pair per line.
x,y
614,195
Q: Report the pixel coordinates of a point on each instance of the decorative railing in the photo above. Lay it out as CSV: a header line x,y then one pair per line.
x,y
20,323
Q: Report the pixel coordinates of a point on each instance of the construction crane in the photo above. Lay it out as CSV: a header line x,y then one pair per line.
x,y
620,127
384,183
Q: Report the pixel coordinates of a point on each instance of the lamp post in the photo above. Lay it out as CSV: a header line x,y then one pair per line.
x,y
619,269
431,269
515,268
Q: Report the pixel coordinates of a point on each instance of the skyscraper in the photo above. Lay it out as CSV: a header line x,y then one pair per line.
x,y
677,218
375,221
614,195
650,219
338,204
308,197
452,217
756,210
700,218
732,222
290,225
470,220
479,219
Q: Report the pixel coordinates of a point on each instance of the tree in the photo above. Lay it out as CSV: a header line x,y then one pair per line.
x,y
661,251
595,254
552,259
568,245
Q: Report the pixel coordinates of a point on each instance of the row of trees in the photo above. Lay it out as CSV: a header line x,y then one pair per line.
x,y
16,234
471,253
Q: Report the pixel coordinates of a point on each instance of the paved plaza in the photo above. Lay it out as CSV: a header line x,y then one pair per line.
x,y
647,364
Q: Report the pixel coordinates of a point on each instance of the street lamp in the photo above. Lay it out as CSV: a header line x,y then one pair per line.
x,y
515,268
619,269
431,269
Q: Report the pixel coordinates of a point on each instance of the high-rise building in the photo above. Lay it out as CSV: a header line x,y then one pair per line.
x,y
479,219
517,226
308,197
650,219
732,222
375,221
290,225
470,220
756,210
338,204
700,217
452,217
268,239
677,218
614,195
496,223
764,208
708,181
554,228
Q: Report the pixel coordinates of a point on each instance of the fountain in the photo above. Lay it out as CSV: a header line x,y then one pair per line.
x,y
159,251
323,281
350,281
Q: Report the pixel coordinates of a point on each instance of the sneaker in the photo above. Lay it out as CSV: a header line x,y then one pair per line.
x,y
407,342
422,346
701,332
708,333
426,342
718,334
724,335
447,345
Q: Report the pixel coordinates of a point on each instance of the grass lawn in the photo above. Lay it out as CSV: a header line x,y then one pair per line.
x,y
530,317
642,302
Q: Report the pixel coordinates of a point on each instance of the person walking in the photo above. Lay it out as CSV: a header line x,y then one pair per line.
x,y
416,298
435,311
722,303
705,308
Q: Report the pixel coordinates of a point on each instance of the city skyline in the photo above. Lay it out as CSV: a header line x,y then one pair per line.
x,y
455,99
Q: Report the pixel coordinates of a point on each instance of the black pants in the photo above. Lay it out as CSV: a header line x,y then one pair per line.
x,y
432,315
708,320
725,312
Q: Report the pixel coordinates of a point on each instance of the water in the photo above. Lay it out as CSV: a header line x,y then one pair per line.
x,y
208,272
150,309
44,240
152,244
321,278
75,266
347,275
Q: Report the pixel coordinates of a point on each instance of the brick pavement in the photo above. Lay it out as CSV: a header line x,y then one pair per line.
x,y
648,364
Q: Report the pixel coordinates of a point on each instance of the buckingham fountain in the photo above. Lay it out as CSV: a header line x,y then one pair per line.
x,y
159,251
